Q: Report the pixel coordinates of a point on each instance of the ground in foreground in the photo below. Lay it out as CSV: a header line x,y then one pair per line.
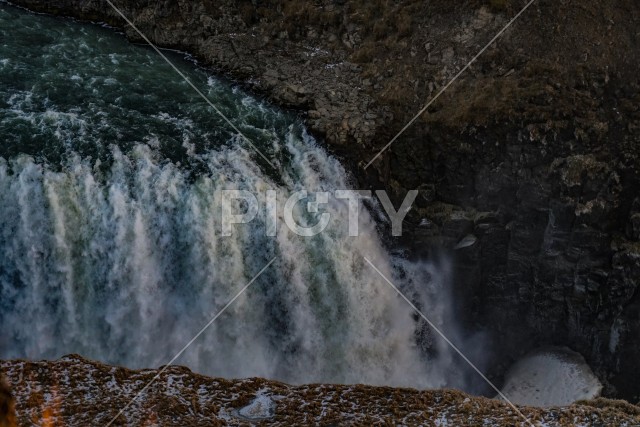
x,y
74,391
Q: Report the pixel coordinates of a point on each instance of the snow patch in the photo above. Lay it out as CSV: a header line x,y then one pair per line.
x,y
551,377
262,407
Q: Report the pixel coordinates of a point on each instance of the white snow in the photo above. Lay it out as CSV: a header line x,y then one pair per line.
x,y
262,407
551,377
467,241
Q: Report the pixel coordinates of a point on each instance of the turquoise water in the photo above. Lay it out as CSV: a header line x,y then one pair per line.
x,y
81,89
110,242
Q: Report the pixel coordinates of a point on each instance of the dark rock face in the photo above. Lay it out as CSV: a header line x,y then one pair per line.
x,y
543,259
526,166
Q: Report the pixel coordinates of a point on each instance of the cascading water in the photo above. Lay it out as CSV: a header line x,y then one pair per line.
x,y
110,242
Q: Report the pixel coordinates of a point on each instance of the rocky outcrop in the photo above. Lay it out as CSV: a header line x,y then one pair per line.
x,y
76,392
527,165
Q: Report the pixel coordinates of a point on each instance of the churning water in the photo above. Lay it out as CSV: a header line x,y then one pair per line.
x,y
109,238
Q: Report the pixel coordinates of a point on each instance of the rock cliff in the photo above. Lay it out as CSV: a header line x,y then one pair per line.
x,y
526,166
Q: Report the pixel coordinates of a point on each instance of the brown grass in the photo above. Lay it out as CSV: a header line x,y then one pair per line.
x,y
500,5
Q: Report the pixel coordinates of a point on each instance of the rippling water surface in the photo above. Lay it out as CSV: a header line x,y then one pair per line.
x,y
109,238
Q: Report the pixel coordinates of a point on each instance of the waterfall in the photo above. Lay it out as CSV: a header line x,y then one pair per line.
x,y
127,266
110,241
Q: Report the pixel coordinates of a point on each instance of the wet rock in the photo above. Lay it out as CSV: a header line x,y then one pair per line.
x,y
633,227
